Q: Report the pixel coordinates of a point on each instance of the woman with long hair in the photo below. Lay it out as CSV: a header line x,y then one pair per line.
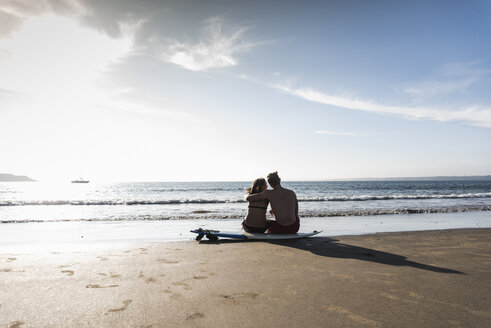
x,y
255,221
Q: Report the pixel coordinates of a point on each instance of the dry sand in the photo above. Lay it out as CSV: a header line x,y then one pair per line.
x,y
416,279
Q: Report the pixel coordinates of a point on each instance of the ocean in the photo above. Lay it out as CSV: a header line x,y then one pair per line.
x,y
43,217
156,201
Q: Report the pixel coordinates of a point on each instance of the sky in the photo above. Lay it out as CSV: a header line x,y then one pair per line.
x,y
122,90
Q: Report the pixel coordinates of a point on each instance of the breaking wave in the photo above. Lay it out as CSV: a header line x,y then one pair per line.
x,y
359,198
196,215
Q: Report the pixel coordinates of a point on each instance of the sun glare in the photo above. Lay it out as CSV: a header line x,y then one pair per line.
x,y
55,56
57,69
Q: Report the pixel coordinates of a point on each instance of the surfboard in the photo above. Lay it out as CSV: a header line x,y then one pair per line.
x,y
215,234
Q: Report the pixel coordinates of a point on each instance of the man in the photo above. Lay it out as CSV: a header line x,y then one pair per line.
x,y
284,206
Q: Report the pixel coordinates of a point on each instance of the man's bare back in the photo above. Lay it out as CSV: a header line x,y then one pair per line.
x,y
283,202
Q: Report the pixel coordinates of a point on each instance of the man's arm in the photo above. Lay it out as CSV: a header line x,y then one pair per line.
x,y
256,197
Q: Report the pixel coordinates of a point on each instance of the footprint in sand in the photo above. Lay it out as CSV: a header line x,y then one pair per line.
x,y
352,316
124,307
199,277
115,275
167,261
182,284
147,280
10,259
98,286
68,272
10,270
174,296
237,297
15,324
175,249
177,297
194,316
206,271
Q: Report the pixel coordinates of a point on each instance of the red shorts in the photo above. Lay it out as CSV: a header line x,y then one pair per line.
x,y
275,227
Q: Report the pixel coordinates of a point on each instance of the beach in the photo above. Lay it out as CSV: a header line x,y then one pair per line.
x,y
390,254
129,128
402,279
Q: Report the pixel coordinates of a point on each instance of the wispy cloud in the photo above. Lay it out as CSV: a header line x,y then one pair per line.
x,y
143,109
6,92
450,78
14,13
108,17
74,69
473,115
217,48
336,133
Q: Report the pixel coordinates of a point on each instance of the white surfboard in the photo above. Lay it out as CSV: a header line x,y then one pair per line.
x,y
271,236
215,234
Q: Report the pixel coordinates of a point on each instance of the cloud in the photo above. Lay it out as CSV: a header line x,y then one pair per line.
x,y
473,115
334,133
14,13
452,77
111,17
149,110
7,92
217,48
72,68
8,22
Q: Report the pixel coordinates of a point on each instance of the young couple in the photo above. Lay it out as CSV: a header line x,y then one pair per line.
x,y
284,207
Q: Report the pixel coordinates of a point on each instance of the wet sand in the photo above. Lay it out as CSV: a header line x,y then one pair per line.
x,y
410,279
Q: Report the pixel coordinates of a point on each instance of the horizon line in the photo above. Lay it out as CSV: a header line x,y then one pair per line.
x,y
400,178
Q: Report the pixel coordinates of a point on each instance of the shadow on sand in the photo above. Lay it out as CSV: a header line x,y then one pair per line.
x,y
329,247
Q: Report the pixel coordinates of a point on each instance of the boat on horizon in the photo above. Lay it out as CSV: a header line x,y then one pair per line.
x,y
80,181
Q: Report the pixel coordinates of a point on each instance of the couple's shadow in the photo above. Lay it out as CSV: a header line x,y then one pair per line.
x,y
329,247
